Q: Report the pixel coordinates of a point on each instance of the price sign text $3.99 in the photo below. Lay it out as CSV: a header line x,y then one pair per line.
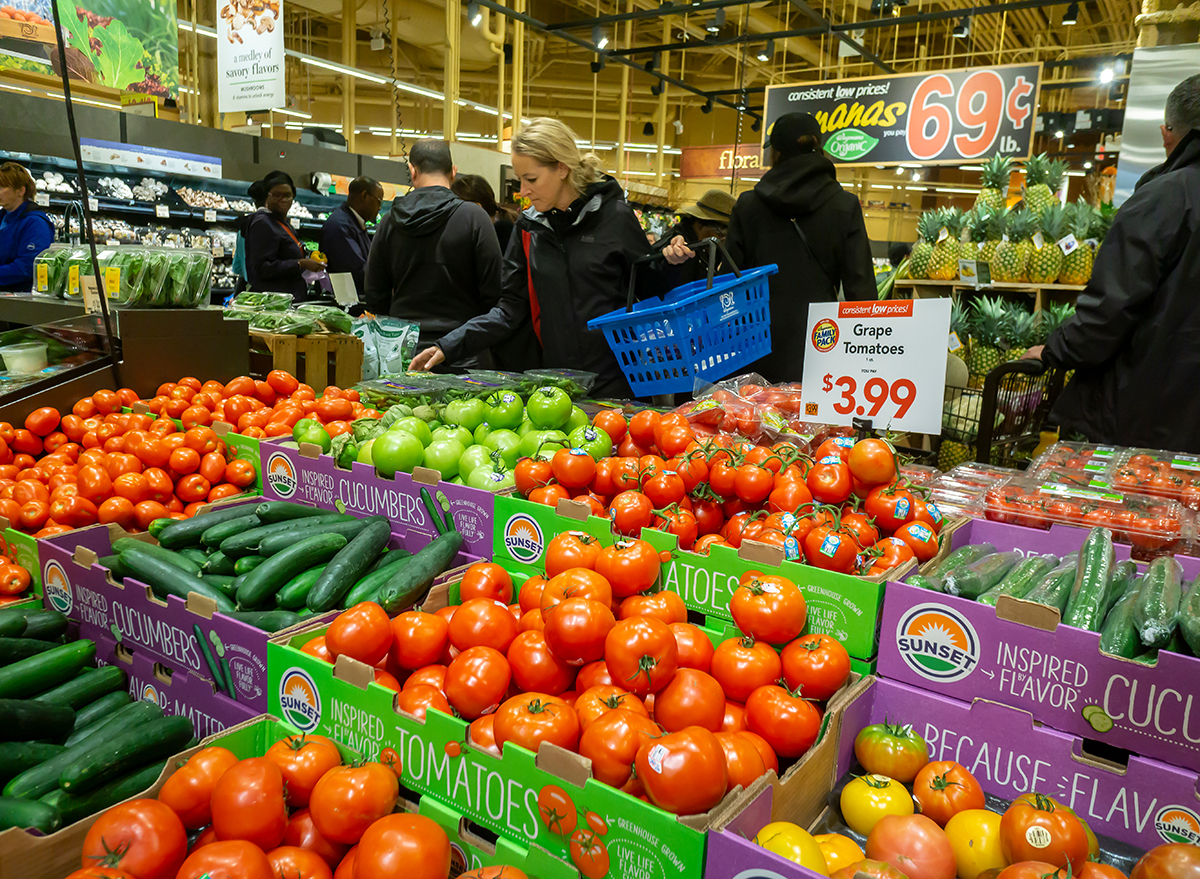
x,y
877,391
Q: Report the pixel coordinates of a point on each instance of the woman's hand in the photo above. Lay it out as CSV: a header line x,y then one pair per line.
x,y
427,359
1034,353
311,265
677,252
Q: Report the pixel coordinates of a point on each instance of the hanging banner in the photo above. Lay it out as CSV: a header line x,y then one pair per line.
x,y
250,56
947,117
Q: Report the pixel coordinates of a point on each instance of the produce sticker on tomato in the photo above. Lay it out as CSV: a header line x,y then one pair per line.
x,y
877,360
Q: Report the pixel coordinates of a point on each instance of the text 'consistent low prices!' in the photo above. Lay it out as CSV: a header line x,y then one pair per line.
x,y
877,360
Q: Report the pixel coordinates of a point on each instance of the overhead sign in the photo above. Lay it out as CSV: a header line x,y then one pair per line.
x,y
873,360
947,117
720,161
250,56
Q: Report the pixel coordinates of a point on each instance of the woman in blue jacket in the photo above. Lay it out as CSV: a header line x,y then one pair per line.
x,y
24,230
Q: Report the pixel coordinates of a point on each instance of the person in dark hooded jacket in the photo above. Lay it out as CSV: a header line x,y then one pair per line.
x,y
799,218
435,259
1134,340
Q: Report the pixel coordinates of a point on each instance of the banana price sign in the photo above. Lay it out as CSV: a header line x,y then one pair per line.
x,y
943,117
874,360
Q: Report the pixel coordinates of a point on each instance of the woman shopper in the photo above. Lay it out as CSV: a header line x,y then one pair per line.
x,y
569,260
275,260
474,187
24,230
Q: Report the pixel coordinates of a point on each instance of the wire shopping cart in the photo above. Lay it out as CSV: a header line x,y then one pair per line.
x,y
706,329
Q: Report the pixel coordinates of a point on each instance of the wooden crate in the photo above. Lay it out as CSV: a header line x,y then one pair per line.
x,y
319,360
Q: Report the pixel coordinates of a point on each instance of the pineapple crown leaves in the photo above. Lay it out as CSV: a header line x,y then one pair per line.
x,y
995,224
953,219
996,173
1082,218
988,320
929,225
1056,172
1035,170
1053,220
977,220
1021,225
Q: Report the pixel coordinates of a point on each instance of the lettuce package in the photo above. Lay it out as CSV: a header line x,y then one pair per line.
x,y
50,270
286,323
331,318
263,301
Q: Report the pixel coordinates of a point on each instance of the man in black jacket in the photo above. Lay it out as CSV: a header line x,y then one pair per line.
x,y
1134,341
799,218
344,239
435,259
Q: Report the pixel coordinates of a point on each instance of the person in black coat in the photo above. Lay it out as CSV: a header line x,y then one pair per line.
x,y
799,218
1134,340
474,187
344,238
568,261
707,217
435,259
275,260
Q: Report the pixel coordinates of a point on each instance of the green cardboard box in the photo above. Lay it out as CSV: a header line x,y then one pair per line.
x,y
22,549
844,606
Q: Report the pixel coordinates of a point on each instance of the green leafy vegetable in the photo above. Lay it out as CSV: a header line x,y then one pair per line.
x,y
120,52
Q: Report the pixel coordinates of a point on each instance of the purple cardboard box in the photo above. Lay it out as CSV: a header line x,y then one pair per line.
x,y
304,475
1143,803
175,692
1019,653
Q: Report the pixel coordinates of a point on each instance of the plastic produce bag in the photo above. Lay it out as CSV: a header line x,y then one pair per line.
x,y
50,269
576,382
79,265
330,318
198,280
388,345
154,279
286,323
123,269
263,301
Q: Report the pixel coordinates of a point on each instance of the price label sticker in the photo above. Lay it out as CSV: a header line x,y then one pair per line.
x,y
112,281
955,342
43,278
210,216
90,293
73,280
42,200
218,252
943,234
295,221
1067,243
872,360
1038,241
93,203
161,210
111,242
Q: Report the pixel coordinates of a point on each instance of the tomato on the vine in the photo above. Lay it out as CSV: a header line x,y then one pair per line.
x,y
920,538
889,505
829,480
831,549
872,462
664,488
752,483
631,511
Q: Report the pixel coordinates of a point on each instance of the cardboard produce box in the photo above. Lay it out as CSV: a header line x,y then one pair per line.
x,y
1019,653
22,549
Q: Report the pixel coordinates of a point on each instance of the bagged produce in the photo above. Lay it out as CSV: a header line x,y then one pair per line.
x,y
330,318
288,323
263,301
388,345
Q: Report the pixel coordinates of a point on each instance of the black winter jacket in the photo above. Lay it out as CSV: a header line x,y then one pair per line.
x,y
1135,338
345,244
272,255
435,261
579,263
761,232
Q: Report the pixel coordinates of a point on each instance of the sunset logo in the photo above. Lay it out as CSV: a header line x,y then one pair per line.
x,y
523,538
825,335
299,700
150,694
281,475
937,643
1178,824
57,587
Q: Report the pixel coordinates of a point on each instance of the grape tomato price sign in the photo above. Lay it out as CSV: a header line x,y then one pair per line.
x,y
877,360
947,116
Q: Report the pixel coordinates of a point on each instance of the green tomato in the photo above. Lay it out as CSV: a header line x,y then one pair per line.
x,y
465,413
480,433
490,479
316,435
456,480
302,425
524,427
415,426
473,458
504,409
348,456
577,420
592,440
549,408
542,444
396,450
507,443
366,453
451,432
435,424
443,456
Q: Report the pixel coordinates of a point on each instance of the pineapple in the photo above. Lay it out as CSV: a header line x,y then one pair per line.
x,y
943,263
1046,262
1051,319
1077,265
996,172
929,226
1043,177
951,454
960,325
976,221
988,326
1012,253
994,224
1021,331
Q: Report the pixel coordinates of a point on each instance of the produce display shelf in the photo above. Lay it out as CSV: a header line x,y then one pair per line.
x,y
176,212
30,310
995,285
319,353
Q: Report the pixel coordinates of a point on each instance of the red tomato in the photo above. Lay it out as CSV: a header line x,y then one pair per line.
x,y
346,800
294,861
641,653
692,698
743,763
630,566
303,760
1061,839
872,462
248,803
1171,861
363,632
944,788
816,665
787,721
477,681
418,639
301,832
189,789
571,549
684,772
693,648
769,608
482,622
913,844
577,628
611,742
234,859
142,837
528,719
742,665
403,844
487,580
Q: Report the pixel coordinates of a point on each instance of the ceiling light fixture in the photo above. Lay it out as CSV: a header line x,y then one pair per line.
x,y
1071,16
474,13
288,112
1106,75
916,177
599,37
1059,134
377,41
899,170
718,22
708,105
963,29
1087,165
767,51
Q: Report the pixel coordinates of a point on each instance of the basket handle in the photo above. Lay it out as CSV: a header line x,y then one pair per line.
x,y
713,245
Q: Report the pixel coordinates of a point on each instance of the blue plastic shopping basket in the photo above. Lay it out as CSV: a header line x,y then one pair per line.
x,y
703,330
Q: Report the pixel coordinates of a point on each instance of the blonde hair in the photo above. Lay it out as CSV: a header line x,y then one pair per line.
x,y
549,142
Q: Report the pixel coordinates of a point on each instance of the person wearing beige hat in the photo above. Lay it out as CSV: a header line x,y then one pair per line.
x,y
707,217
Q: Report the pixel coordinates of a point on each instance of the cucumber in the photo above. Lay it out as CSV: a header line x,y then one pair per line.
x,y
1020,581
247,542
217,533
1055,588
933,584
368,586
1092,572
219,563
126,544
187,532
87,687
282,511
24,720
263,582
126,717
199,556
39,673
977,577
73,807
167,580
267,620
413,580
1178,644
963,556
275,543
1123,575
15,649
96,711
158,526
389,558
45,625
1189,617
1118,636
246,564
124,751
294,593
16,757
222,582
12,619
113,563
16,812
1156,610
350,564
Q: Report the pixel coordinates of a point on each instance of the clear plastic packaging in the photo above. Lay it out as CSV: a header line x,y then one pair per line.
x,y
920,474
465,387
1159,474
576,382
1077,456
330,319
263,301
50,270
284,323
412,389
121,271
